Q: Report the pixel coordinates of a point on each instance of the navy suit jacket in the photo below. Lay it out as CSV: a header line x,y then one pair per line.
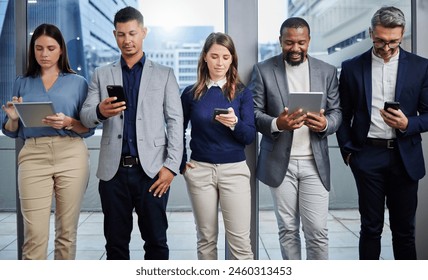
x,y
355,87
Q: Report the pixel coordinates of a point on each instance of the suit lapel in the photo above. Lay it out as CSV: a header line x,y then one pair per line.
x,y
314,76
367,78
145,78
402,69
280,77
116,72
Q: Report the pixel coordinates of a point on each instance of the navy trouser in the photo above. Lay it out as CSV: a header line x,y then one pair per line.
x,y
126,191
381,177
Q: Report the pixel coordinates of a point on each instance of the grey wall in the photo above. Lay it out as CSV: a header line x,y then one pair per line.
x,y
247,49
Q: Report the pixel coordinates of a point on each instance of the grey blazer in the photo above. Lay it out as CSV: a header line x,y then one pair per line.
x,y
270,89
159,120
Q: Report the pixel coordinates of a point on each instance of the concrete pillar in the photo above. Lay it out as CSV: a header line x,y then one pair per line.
x,y
241,24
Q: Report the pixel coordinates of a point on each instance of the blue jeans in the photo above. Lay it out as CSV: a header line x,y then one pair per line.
x,y
126,191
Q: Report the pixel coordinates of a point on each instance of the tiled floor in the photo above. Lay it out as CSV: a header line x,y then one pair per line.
x,y
343,228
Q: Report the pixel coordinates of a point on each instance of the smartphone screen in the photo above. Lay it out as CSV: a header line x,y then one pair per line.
x,y
218,111
116,90
391,104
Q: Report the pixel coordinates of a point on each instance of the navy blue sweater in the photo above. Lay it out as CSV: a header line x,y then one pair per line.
x,y
211,141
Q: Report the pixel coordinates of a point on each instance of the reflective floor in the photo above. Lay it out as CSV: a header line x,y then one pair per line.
x,y
343,228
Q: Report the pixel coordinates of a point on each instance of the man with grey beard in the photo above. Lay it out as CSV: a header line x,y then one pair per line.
x,y
383,146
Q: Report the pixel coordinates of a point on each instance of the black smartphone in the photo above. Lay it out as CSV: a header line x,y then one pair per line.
x,y
218,111
116,90
391,104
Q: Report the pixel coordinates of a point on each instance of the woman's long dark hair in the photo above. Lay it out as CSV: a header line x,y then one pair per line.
x,y
50,30
233,84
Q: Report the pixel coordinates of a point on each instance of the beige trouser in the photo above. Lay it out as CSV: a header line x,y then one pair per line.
x,y
50,166
228,184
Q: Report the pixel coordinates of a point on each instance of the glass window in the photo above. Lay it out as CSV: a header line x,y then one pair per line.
x,y
269,25
177,31
339,29
8,53
87,27
7,78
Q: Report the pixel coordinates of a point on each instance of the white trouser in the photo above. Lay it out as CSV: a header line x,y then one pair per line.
x,y
227,184
302,196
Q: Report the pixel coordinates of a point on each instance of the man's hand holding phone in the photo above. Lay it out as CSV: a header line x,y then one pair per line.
x,y
116,91
393,116
115,103
395,105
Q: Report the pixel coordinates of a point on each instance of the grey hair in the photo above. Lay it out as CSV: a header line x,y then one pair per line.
x,y
389,17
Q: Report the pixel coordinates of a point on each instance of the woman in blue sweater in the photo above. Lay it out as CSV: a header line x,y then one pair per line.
x,y
217,172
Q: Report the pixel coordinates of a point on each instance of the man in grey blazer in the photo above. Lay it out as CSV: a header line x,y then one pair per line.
x,y
293,159
141,144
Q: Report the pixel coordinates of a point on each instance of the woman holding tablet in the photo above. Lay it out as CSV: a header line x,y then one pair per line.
x,y
54,160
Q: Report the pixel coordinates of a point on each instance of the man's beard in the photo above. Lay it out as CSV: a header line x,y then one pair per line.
x,y
292,62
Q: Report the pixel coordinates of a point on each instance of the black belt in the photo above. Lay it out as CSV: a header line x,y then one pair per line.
x,y
129,161
384,143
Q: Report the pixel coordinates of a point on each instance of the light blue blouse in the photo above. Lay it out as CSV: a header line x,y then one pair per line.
x,y
67,95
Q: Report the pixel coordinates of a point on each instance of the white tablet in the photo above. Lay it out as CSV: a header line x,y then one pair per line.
x,y
32,113
308,101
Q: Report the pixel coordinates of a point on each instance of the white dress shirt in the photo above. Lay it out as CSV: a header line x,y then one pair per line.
x,y
219,83
384,80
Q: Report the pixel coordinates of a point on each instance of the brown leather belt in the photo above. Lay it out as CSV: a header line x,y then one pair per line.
x,y
385,143
129,161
